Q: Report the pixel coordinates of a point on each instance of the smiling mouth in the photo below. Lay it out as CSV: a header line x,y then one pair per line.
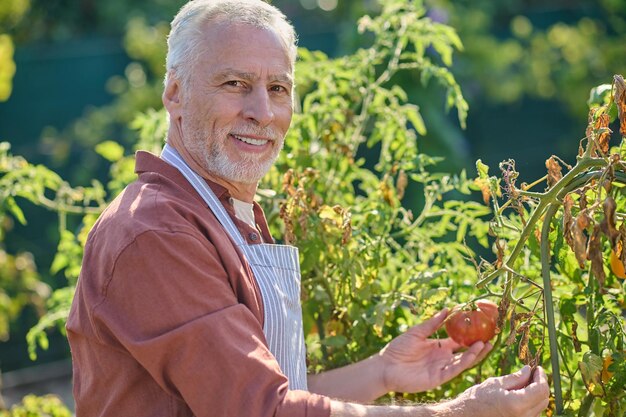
x,y
250,141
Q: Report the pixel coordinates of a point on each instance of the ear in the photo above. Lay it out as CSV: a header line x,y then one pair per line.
x,y
172,95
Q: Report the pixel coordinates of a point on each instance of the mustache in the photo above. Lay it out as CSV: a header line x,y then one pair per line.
x,y
252,130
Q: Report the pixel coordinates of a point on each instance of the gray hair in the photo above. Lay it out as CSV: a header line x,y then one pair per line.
x,y
183,44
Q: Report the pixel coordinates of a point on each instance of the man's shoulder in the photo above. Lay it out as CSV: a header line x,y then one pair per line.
x,y
153,203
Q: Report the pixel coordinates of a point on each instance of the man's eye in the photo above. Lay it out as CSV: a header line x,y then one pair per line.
x,y
233,83
278,89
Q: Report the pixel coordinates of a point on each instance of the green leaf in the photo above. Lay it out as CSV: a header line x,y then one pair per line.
x,y
15,210
335,341
110,150
600,95
415,117
482,169
435,295
61,260
591,371
425,277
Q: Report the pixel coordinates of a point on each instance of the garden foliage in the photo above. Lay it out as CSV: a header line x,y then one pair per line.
x,y
371,266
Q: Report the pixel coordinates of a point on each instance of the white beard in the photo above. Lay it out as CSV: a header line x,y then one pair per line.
x,y
210,151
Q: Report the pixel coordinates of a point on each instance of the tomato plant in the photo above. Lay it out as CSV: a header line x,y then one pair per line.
x,y
575,229
470,324
370,265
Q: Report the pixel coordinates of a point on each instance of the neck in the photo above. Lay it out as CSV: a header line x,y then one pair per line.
x,y
239,190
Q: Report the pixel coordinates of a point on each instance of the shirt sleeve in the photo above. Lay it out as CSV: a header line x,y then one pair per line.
x,y
169,303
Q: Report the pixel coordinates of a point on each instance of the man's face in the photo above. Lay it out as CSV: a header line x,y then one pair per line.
x,y
238,105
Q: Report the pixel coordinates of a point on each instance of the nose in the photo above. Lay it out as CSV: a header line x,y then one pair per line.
x,y
258,107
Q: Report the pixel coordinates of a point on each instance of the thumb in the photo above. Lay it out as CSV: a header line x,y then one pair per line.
x,y
517,380
431,325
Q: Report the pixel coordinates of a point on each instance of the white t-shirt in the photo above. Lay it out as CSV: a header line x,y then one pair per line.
x,y
244,211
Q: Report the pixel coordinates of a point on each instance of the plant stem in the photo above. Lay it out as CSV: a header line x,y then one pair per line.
x,y
549,307
594,342
545,200
2,404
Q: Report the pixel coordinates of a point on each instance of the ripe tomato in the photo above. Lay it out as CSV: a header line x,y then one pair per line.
x,y
617,266
469,326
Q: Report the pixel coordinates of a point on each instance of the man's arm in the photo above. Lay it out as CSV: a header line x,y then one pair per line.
x,y
410,363
169,304
517,395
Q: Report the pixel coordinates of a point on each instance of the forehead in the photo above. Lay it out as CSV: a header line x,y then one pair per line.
x,y
244,48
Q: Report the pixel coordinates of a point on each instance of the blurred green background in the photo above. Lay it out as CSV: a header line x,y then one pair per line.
x,y
74,73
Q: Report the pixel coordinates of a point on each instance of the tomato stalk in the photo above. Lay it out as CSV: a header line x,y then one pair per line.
x,y
549,308
546,199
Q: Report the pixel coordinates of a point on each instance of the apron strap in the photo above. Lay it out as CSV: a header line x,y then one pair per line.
x,y
170,155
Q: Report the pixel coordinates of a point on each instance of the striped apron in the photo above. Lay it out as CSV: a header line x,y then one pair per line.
x,y
276,269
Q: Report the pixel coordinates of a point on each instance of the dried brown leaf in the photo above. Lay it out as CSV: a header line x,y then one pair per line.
x,y
503,309
511,339
302,221
500,245
288,180
483,184
607,225
523,352
401,184
285,215
579,237
605,135
575,341
346,227
581,149
554,171
594,253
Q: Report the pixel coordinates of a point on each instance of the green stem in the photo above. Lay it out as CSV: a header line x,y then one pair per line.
x,y
594,337
532,184
546,199
390,70
545,273
549,307
2,403
61,207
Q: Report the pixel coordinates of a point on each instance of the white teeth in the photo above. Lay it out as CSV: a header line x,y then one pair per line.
x,y
250,141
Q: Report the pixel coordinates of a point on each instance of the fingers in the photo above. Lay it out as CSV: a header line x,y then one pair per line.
x,y
430,326
449,344
465,360
474,354
484,352
516,380
540,376
536,396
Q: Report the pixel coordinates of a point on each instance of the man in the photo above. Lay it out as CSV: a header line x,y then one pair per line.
x,y
185,305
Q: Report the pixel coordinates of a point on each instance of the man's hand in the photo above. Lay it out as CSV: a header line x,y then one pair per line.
x,y
409,363
413,363
522,394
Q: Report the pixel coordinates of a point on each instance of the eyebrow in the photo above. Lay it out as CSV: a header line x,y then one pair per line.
x,y
250,76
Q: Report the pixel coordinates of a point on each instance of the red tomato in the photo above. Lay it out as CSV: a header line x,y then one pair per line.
x,y
467,327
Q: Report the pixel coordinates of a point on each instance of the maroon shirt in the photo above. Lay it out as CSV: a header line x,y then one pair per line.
x,y
167,319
